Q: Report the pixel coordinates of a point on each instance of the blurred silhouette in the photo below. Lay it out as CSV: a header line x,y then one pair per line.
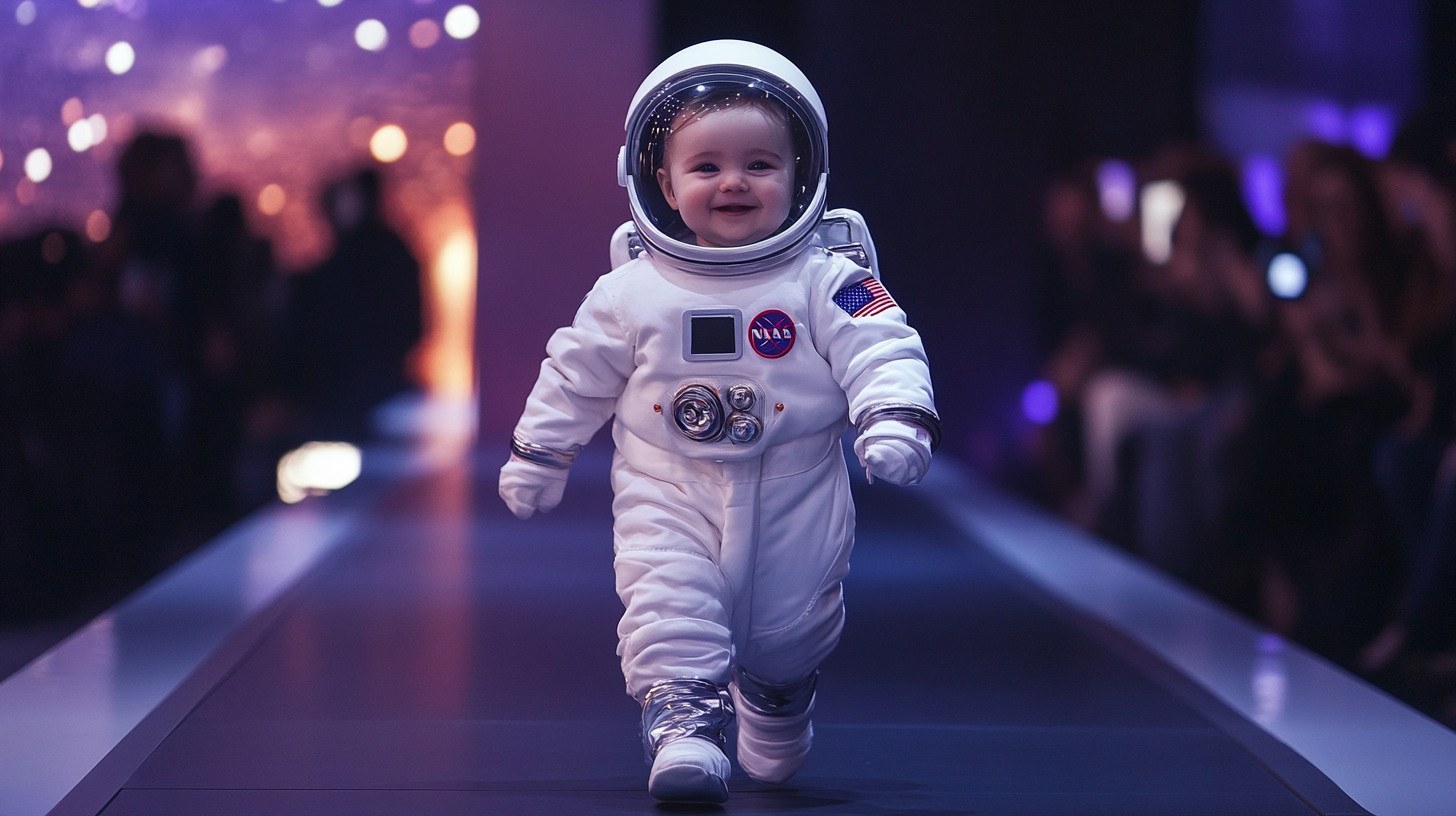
x,y
229,353
1292,454
1417,466
1159,415
1315,510
127,369
355,319
40,545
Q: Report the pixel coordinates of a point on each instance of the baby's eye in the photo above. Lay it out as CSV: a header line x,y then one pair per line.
x,y
760,165
706,167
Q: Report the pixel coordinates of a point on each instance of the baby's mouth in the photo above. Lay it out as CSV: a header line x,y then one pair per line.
x,y
733,209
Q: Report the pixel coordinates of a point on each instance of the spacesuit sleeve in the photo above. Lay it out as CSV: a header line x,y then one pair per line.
x,y
874,353
586,367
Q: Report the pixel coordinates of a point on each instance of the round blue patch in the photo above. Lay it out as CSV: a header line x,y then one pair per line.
x,y
772,334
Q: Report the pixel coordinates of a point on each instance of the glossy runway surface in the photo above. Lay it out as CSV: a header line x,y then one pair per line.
x,y
445,658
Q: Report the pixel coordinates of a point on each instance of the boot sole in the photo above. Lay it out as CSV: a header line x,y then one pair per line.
x,y
687,783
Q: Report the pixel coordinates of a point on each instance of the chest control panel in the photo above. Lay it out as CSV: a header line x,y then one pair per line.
x,y
712,334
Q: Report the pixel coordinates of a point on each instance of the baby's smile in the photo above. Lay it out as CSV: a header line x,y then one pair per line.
x,y
728,173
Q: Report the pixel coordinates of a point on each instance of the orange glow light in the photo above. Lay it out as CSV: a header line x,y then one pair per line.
x,y
388,143
452,279
459,139
71,111
271,200
98,226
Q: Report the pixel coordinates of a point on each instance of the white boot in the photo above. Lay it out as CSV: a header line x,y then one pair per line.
x,y
775,731
690,769
682,725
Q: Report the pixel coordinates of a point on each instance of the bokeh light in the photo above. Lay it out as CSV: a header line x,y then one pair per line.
x,y
459,139
1262,183
388,143
1116,189
98,128
462,22
89,3
1039,402
371,35
38,165
271,200
209,60
424,33
316,468
329,3
1162,203
72,110
79,136
218,85
1288,276
98,226
25,12
120,57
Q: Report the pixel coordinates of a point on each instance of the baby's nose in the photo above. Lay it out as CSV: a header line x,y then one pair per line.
x,y
732,181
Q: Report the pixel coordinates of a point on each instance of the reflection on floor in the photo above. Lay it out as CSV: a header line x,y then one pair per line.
x,y
443,657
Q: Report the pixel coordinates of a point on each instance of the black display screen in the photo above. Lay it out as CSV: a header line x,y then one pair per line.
x,y
713,334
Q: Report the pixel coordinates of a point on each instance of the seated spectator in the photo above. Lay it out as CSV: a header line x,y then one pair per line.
x,y
1309,506
1417,467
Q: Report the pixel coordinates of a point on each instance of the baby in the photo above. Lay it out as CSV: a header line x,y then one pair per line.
x,y
732,353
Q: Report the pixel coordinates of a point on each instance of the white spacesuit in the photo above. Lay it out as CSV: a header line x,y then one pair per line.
x,y
732,371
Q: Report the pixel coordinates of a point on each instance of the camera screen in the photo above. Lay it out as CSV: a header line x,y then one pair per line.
x,y
713,334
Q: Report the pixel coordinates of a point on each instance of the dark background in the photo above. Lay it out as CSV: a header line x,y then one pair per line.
x,y
948,120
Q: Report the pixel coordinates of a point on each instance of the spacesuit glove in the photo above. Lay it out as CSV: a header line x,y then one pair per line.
x,y
527,487
897,452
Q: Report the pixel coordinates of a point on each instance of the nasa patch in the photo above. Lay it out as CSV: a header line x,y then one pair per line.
x,y
771,333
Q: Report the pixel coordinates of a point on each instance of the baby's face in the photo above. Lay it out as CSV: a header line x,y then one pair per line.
x,y
729,175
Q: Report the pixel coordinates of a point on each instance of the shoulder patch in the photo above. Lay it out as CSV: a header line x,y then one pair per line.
x,y
865,298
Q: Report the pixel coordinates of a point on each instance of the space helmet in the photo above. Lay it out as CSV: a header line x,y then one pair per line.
x,y
694,82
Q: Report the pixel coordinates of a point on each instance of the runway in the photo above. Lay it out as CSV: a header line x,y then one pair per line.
x,y
434,655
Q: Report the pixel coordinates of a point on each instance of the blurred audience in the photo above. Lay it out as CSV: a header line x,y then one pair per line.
x,y
153,379
1290,452
355,319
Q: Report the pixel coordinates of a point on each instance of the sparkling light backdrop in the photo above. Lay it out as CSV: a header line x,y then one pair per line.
x,y
278,99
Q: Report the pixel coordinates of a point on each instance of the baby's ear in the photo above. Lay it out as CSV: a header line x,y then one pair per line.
x,y
664,180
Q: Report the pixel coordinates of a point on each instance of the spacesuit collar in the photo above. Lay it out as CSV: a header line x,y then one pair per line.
x,y
773,263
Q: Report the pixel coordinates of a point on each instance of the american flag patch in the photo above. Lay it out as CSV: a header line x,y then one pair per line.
x,y
867,297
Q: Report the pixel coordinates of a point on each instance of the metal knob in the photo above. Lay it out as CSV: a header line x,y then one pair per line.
x,y
743,428
741,397
698,414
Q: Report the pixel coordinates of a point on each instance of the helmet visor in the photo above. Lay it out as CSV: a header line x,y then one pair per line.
x,y
735,111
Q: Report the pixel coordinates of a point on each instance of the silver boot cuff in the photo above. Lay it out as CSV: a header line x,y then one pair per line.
x,y
684,707
786,700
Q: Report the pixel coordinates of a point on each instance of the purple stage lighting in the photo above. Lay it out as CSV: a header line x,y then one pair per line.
x,y
1325,120
1116,189
1039,402
1263,183
1371,129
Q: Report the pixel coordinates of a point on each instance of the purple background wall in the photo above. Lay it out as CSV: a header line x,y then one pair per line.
x,y
553,83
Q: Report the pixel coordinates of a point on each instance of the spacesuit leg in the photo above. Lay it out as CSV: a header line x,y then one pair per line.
x,y
806,534
678,610
674,636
